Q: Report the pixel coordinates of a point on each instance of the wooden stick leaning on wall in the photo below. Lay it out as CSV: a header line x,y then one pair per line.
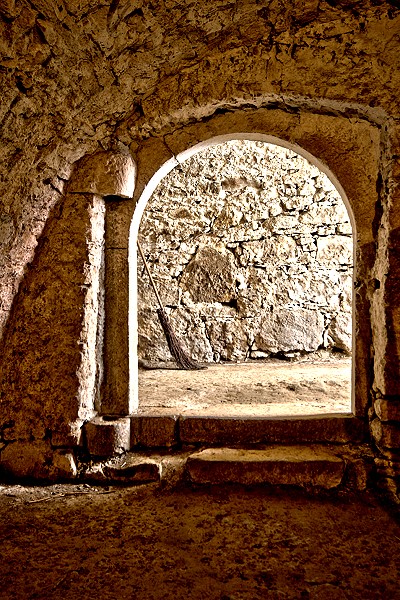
x,y
178,353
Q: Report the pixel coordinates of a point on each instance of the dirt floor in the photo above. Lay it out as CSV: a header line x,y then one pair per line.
x,y
271,388
222,543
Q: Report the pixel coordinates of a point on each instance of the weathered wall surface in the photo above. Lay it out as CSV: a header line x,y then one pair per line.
x,y
78,76
251,249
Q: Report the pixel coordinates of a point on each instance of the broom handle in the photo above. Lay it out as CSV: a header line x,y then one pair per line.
x,y
146,266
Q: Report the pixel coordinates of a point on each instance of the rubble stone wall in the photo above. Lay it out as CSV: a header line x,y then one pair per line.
x,y
252,252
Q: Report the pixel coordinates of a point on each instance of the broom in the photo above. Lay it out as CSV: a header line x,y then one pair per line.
x,y
180,356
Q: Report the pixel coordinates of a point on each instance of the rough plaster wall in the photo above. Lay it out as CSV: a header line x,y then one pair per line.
x,y
251,249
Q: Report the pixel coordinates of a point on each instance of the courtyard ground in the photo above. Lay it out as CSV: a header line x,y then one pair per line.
x,y
310,386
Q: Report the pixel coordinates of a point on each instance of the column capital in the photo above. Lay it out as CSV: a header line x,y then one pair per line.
x,y
104,174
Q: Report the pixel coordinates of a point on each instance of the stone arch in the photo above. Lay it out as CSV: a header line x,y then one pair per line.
x,y
179,159
348,149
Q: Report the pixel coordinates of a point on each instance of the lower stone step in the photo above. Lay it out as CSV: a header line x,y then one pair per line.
x,y
127,469
307,466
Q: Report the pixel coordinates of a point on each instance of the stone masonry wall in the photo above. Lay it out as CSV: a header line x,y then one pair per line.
x,y
251,249
158,78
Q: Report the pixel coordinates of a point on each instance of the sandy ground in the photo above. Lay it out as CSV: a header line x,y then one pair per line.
x,y
223,543
270,388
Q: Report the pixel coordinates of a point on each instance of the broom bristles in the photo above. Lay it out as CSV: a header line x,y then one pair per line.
x,y
180,356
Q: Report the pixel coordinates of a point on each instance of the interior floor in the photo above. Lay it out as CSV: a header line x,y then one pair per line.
x,y
271,388
224,543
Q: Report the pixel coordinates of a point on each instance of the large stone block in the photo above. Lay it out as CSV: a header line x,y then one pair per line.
x,y
389,468
27,459
229,339
285,465
340,332
64,465
105,174
67,435
53,332
220,430
106,437
133,470
210,277
154,431
386,435
128,469
287,330
387,410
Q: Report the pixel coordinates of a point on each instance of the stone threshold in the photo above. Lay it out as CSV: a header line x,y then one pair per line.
x,y
110,436
308,466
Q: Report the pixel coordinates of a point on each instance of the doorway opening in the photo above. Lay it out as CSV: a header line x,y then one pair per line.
x,y
251,248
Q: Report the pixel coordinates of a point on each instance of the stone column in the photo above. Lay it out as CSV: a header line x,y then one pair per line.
x,y
112,176
116,399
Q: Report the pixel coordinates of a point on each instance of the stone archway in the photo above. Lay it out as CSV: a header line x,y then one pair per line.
x,y
328,137
216,142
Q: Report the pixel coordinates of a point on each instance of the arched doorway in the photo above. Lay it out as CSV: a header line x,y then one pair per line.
x,y
274,316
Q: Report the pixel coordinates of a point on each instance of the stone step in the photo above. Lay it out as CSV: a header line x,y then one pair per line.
x,y
127,469
307,466
311,466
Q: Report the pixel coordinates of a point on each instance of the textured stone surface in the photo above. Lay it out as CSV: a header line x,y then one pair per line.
x,y
127,469
340,332
135,470
27,459
287,331
386,435
48,378
115,398
108,437
285,465
154,431
85,541
111,174
79,77
387,410
71,58
386,467
209,277
387,379
64,466
235,232
67,435
214,430
360,466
